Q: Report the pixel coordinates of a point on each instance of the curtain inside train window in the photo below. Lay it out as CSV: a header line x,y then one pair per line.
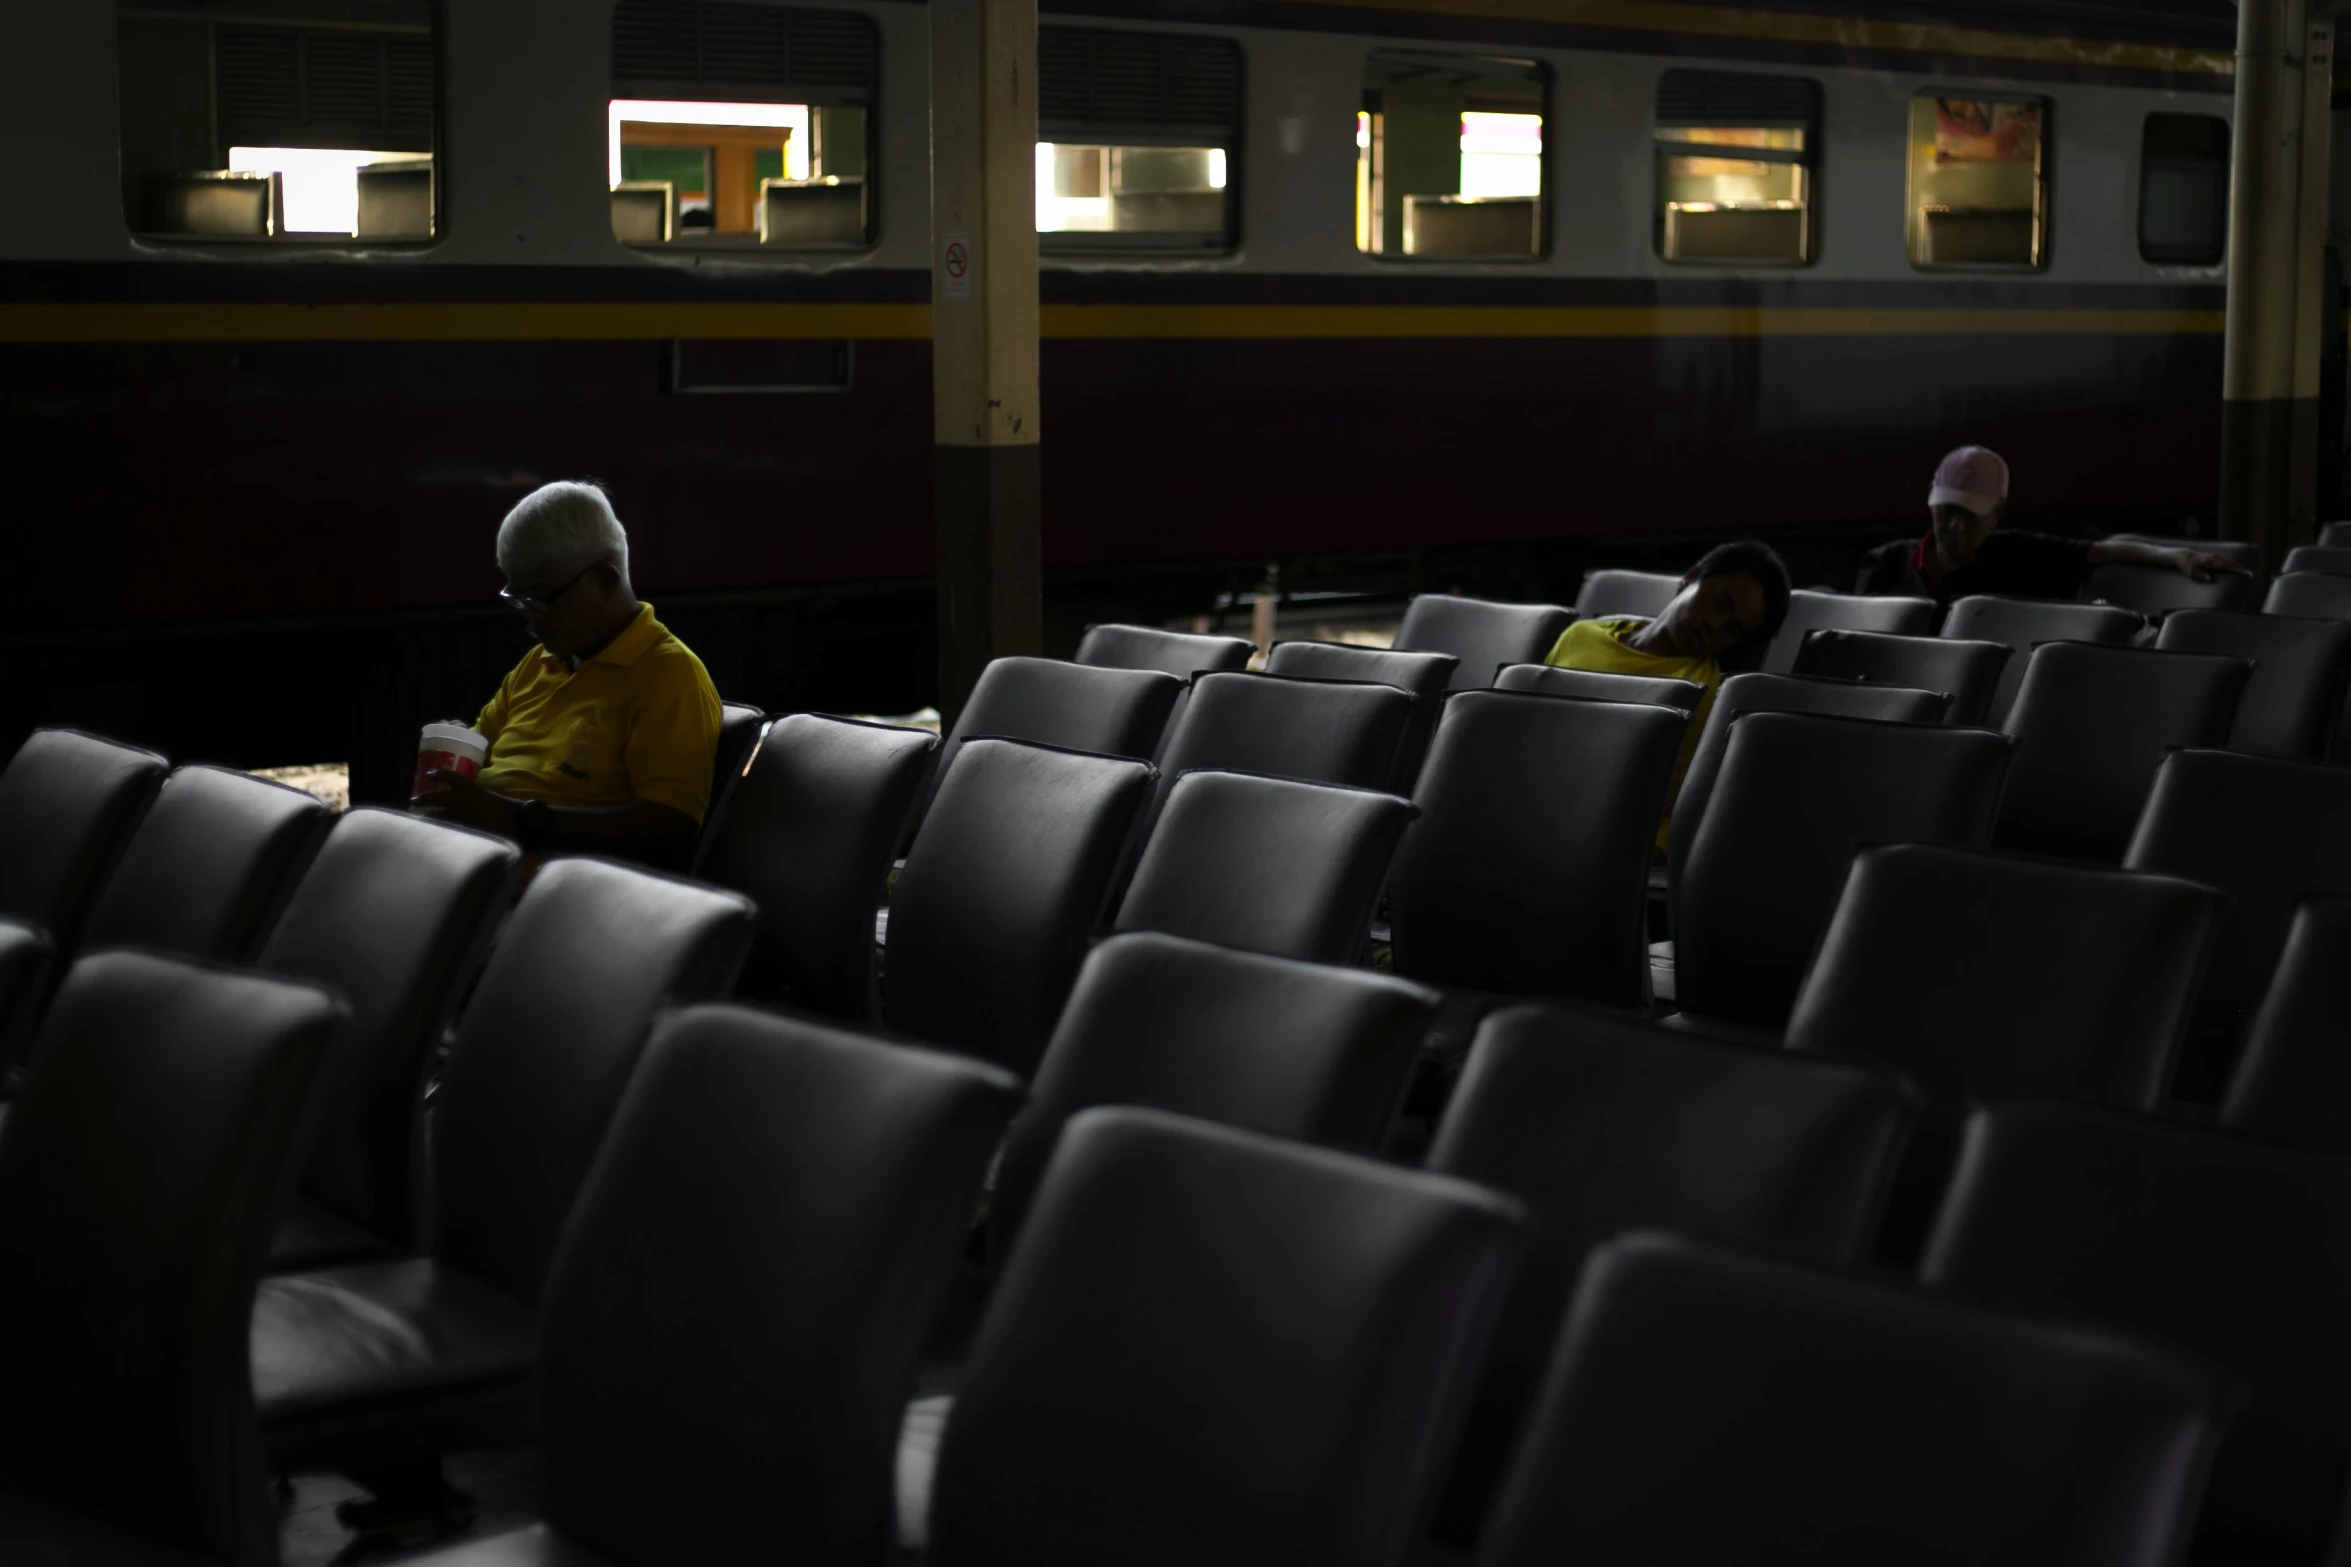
x,y
1979,182
740,125
308,121
1734,167
1138,140
2184,190
1449,156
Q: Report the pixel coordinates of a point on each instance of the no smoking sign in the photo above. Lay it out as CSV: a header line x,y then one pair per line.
x,y
955,262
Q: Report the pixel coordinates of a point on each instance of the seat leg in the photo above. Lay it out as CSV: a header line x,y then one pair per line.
x,y
408,1503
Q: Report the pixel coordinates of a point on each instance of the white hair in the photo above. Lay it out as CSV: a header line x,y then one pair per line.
x,y
560,528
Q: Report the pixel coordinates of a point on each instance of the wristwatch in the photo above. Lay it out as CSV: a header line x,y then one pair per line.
x,y
534,823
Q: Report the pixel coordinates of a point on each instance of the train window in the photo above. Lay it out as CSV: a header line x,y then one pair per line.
x,y
306,120
1449,156
2184,189
1734,167
737,125
1979,182
1136,139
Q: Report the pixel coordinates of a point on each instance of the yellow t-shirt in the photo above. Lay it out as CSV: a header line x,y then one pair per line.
x,y
639,721
1600,645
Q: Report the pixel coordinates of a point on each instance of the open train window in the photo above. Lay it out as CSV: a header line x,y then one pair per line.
x,y
304,121
740,125
2184,190
1979,182
1449,156
1138,139
1734,167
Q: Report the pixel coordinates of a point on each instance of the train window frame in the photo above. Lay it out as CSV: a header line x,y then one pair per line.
x,y
1694,107
274,141
1373,220
813,65
1916,231
1193,118
2205,256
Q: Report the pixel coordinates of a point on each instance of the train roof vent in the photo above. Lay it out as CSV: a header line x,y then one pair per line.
x,y
297,86
1736,98
1103,81
717,50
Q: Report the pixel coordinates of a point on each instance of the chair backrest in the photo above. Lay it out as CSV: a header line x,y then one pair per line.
x,y
1611,594
2332,561
1182,654
209,866
1595,1124
1426,675
1308,1051
2301,672
1593,685
2293,1080
395,914
1965,672
1265,864
2091,726
2159,590
2335,536
2024,624
1761,693
2233,1251
1713,1407
1003,889
1990,976
739,728
592,953
1810,610
157,1135
1482,636
2268,834
1528,871
788,1201
2319,595
27,962
1211,1346
1323,731
809,837
2243,551
68,803
1798,796
1076,707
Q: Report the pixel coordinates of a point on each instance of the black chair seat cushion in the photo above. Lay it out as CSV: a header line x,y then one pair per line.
x,y
2300,671
1966,672
1597,685
312,1237
2025,624
2294,1083
209,867
1810,610
1482,635
342,1350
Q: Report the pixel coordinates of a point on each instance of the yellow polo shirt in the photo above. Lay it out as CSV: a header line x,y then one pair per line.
x,y
1600,645
639,721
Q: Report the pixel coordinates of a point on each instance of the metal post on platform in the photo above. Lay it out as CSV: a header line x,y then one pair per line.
x,y
985,471
2271,377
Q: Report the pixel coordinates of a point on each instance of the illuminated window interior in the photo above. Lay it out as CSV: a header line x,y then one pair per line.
x,y
320,185
1097,188
1449,156
1734,155
761,172
1979,186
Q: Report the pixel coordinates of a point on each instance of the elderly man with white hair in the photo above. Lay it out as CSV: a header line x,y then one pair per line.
x,y
601,739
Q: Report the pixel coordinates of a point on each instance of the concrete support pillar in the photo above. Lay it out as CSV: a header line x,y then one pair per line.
x,y
986,473
2276,274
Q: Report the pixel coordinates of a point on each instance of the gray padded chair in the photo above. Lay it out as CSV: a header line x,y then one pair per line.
x,y
739,728
2024,624
1965,672
1482,636
395,915
2329,561
1592,1122
389,1362
789,1202
2091,725
68,803
2301,675
2159,590
1075,707
1182,654
2243,551
1306,1051
2293,1082
2320,595
209,866
1211,1346
1592,685
1426,675
1798,796
1323,731
809,837
2335,536
159,1130
1613,594
1708,1407
1267,865
1528,871
2268,835
1810,610
1003,890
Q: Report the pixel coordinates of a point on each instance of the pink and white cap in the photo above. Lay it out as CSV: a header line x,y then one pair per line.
x,y
1973,477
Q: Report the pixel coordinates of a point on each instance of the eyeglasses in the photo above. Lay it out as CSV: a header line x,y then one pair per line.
x,y
541,603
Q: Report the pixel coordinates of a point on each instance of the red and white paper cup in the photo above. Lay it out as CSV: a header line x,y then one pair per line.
x,y
447,747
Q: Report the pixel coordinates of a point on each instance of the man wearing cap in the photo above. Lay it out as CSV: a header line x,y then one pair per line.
x,y
1966,551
